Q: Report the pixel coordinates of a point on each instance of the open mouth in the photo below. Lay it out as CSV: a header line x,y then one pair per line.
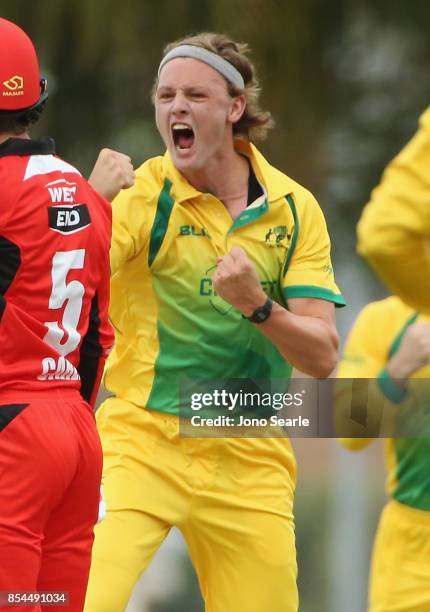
x,y
183,136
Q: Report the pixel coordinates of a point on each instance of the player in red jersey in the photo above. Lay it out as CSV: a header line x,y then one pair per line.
x,y
55,232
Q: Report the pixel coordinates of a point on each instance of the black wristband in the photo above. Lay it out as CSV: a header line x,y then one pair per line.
x,y
262,313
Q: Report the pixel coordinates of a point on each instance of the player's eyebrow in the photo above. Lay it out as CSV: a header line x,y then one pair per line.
x,y
196,88
186,89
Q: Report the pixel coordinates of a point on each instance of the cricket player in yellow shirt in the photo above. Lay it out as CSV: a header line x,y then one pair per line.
x,y
390,342
394,230
221,270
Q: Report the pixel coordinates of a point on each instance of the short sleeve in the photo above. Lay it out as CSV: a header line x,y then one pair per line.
x,y
308,270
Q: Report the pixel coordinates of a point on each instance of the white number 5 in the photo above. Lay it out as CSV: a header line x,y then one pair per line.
x,y
73,292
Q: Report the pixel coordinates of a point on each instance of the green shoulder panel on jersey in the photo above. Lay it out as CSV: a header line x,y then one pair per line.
x,y
161,221
292,206
398,339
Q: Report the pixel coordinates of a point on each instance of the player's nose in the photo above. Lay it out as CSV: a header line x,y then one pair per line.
x,y
179,104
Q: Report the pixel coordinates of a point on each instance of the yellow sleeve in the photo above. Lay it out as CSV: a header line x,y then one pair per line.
x,y
308,271
394,229
364,356
133,212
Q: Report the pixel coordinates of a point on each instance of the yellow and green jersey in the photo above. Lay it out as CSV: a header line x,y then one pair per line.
x,y
394,229
168,319
375,337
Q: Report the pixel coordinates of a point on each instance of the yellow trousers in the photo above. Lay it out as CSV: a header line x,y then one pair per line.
x,y
231,498
400,573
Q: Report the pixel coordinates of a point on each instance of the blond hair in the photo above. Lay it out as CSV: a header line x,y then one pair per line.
x,y
255,122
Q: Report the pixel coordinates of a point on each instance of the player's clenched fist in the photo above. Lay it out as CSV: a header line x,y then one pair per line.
x,y
112,172
236,281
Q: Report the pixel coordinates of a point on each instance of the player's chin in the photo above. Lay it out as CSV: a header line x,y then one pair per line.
x,y
186,159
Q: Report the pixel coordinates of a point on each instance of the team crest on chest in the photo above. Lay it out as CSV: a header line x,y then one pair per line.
x,y
275,235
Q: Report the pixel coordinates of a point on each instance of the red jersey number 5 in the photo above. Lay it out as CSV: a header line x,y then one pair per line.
x,y
72,293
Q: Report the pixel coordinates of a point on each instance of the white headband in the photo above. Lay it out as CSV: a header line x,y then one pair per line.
x,y
217,62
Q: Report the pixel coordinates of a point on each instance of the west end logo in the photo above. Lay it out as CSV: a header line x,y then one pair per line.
x,y
276,235
68,219
14,85
61,191
190,230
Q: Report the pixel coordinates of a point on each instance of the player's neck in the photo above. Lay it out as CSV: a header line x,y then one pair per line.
x,y
6,135
225,177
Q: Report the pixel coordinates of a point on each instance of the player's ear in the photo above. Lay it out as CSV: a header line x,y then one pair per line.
x,y
237,108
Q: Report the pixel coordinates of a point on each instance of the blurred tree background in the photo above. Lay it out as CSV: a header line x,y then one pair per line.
x,y
345,80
